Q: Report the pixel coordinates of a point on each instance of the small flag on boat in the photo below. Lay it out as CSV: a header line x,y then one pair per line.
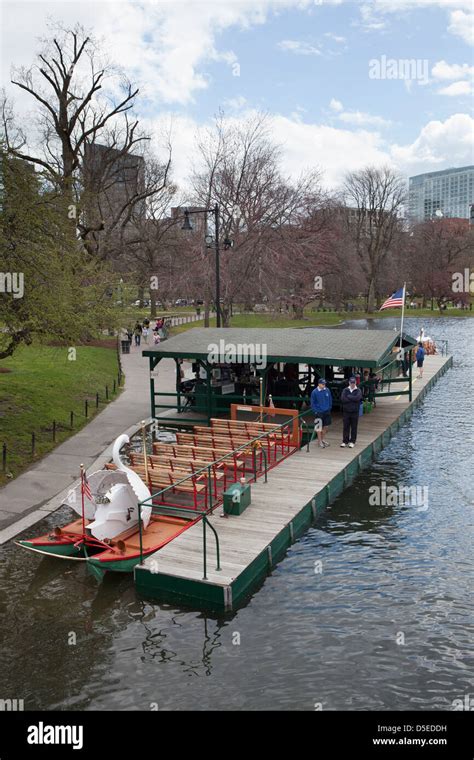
x,y
395,300
86,489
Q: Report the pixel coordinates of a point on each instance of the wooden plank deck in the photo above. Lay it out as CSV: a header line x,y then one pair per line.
x,y
297,489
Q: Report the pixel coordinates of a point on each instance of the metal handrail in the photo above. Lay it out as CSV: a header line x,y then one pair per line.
x,y
193,475
205,522
225,456
444,346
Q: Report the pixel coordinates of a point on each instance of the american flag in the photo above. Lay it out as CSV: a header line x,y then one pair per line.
x,y
86,489
396,299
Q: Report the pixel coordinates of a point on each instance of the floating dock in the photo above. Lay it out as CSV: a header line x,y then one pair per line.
x,y
297,491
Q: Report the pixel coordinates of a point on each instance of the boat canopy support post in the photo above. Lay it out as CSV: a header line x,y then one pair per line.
x,y
410,377
209,390
178,385
153,360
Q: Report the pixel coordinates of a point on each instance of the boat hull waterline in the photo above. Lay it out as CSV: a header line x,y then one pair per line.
x,y
120,555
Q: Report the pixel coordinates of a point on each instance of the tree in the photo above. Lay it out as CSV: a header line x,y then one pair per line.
x,y
50,287
260,211
86,135
300,259
374,199
438,249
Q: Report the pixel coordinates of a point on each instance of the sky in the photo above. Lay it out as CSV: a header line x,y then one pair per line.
x,y
345,84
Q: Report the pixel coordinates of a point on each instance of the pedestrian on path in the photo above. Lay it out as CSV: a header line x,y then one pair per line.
x,y
145,333
351,398
138,333
321,404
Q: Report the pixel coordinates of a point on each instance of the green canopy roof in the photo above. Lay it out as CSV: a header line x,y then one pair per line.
x,y
368,348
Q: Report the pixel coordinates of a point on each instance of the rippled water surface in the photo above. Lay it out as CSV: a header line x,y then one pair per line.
x,y
389,574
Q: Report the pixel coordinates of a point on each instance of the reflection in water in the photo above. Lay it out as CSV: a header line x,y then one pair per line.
x,y
385,624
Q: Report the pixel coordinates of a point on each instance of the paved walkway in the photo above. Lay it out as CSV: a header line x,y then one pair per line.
x,y
43,486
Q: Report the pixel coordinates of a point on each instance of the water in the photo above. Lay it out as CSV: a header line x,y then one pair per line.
x,y
388,574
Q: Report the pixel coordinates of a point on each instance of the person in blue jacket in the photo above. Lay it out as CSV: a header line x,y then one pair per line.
x,y
321,404
420,358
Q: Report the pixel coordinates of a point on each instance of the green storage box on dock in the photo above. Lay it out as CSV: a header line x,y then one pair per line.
x,y
236,498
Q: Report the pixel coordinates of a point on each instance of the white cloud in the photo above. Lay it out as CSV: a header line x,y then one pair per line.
x,y
444,70
358,118
460,14
164,46
439,144
336,105
335,37
457,88
462,25
235,104
298,47
370,20
402,5
336,151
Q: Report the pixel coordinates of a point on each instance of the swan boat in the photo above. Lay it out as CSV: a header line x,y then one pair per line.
x,y
107,533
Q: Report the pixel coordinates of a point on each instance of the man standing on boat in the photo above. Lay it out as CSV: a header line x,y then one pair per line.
x,y
321,404
420,358
351,398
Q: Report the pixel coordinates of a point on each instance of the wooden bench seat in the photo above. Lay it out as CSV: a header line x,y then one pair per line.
x,y
206,452
195,485
281,435
183,466
206,435
160,480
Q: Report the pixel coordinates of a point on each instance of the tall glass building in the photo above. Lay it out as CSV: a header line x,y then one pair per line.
x,y
449,192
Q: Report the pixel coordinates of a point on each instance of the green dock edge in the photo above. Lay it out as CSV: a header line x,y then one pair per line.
x,y
205,595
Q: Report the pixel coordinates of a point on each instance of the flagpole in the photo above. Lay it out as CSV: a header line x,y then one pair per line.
x,y
261,397
82,498
403,314
144,451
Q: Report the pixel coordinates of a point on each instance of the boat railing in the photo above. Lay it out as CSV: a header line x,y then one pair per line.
x,y
442,346
183,511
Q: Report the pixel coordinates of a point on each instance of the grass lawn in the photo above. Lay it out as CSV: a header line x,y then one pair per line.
x,y
322,318
42,386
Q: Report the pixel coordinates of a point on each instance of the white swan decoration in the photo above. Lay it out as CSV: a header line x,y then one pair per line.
x,y
116,494
141,490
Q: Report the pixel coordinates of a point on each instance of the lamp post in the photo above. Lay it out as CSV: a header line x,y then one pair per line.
x,y
227,244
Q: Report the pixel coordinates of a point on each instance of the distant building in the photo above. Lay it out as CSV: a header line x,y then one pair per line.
x,y
447,193
113,179
363,217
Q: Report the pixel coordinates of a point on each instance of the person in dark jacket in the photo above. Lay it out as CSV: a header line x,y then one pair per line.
x,y
321,404
137,331
420,358
351,398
